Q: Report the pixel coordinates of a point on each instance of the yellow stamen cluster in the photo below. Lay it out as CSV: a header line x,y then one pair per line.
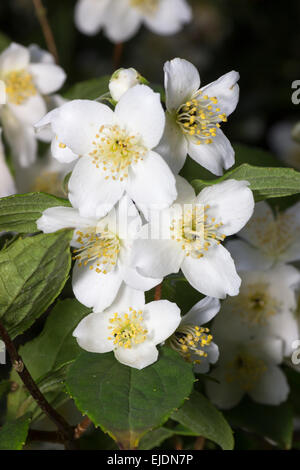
x,y
196,231
115,150
101,249
275,236
190,342
49,182
200,117
245,370
19,86
255,304
127,329
145,6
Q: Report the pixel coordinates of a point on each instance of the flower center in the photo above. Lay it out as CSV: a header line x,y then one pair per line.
x,y
196,231
200,117
115,150
19,86
277,235
190,341
255,305
49,182
99,248
149,7
127,329
245,370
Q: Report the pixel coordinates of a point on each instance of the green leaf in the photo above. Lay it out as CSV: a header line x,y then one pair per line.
x,y
4,388
273,422
33,271
19,213
46,356
200,416
264,182
89,89
13,433
155,438
4,41
127,402
177,289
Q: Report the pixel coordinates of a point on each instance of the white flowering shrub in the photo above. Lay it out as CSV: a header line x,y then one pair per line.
x,y
148,280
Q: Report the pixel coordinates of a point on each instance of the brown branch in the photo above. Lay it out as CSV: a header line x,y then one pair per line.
x,y
45,436
157,293
82,427
199,443
41,14
63,427
118,50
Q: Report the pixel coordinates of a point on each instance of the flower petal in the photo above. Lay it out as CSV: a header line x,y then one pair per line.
x,y
140,110
15,57
185,191
254,231
173,145
135,280
139,356
92,333
231,202
127,297
182,80
224,394
77,122
214,157
31,111
157,258
170,16
90,192
203,366
94,289
214,274
161,318
226,90
21,139
61,152
272,388
90,15
202,312
151,183
56,218
246,257
122,22
47,77
39,55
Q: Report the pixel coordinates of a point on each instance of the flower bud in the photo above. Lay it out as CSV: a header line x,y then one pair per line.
x,y
122,80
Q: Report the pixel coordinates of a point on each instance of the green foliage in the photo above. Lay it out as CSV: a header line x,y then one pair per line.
x,y
33,271
127,402
89,89
177,289
47,357
19,213
4,41
200,416
155,438
272,422
264,182
13,433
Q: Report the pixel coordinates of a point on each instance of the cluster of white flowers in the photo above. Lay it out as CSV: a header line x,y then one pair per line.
x,y
121,19
135,220
257,329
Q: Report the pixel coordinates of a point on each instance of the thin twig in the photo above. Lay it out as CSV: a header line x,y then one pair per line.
x,y
82,427
157,293
41,14
63,427
118,50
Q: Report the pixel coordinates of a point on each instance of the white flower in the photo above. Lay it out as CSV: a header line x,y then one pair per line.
x,y
28,74
122,80
268,238
249,367
116,151
265,307
7,184
285,143
193,341
102,251
194,115
130,328
121,19
193,229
